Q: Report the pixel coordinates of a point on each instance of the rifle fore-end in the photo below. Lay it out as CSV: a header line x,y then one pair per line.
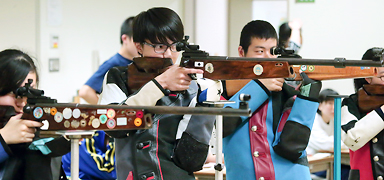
x,y
317,72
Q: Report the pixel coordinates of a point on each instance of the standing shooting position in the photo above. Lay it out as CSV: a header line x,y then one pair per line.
x,y
176,145
271,144
24,155
363,132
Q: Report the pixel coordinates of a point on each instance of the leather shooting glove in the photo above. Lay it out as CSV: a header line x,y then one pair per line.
x,y
310,88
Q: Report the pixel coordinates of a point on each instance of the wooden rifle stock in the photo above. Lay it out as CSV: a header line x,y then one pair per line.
x,y
228,68
144,69
224,68
370,97
80,117
65,116
238,71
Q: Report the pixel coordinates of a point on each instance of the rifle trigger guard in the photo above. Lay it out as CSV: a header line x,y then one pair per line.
x,y
339,62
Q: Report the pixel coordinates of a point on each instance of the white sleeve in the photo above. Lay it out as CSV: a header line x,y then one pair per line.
x,y
148,95
363,130
111,93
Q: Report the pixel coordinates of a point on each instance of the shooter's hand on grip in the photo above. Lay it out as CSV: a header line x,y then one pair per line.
x,y
176,78
18,130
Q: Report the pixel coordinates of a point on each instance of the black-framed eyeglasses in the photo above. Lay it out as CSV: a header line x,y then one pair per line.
x,y
161,48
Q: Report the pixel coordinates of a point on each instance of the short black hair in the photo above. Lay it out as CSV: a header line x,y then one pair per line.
x,y
126,28
157,25
256,29
15,65
284,34
324,95
371,54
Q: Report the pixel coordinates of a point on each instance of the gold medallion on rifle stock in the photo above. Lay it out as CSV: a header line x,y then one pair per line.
x,y
209,67
258,69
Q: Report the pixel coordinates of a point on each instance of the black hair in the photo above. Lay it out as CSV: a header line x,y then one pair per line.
x,y
323,95
126,28
15,65
284,34
256,29
371,54
157,25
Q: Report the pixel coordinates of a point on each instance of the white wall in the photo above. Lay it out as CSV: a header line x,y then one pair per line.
x,y
275,12
239,13
211,26
341,28
18,28
88,26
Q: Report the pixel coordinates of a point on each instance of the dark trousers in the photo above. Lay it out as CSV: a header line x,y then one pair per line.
x,y
32,165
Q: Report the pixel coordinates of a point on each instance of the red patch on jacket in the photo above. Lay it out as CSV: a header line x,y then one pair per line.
x,y
361,160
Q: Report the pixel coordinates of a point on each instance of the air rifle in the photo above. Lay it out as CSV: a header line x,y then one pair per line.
x,y
143,69
71,116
